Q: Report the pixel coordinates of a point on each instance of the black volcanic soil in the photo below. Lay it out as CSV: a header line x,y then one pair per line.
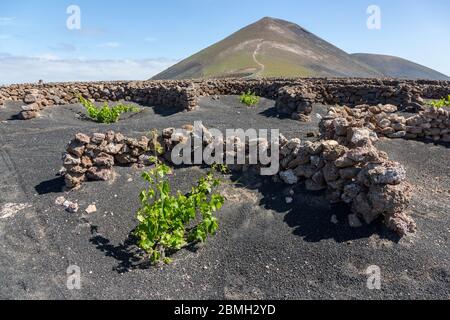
x,y
265,248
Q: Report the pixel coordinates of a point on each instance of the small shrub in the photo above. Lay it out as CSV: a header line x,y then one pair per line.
x,y
250,99
221,168
164,219
441,103
105,114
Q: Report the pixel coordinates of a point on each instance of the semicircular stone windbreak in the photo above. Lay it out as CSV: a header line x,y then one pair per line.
x,y
344,162
431,124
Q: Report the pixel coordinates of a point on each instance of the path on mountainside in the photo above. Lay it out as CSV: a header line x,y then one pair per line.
x,y
261,66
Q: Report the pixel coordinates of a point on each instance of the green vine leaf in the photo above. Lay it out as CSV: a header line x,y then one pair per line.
x,y
164,218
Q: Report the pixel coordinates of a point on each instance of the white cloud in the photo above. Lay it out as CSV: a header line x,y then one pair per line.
x,y
47,56
50,68
109,45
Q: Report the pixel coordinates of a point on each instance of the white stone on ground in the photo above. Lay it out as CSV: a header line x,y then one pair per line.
x,y
91,209
10,209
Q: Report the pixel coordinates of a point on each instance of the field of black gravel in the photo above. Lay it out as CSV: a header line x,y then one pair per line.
x,y
265,248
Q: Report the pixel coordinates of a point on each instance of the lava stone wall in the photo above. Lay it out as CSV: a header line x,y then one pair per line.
x,y
356,173
155,93
294,96
430,124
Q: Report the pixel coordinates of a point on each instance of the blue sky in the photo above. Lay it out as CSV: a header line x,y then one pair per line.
x,y
135,39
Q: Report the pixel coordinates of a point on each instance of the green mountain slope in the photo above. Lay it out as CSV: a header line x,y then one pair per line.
x,y
271,48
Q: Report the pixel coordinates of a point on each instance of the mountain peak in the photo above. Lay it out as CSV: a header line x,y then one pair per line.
x,y
267,19
271,47
273,20
275,23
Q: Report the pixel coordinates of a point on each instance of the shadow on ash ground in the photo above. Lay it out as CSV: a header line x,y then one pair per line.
x,y
265,248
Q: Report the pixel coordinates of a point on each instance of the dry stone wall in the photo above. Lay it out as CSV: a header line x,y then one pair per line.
x,y
93,157
180,94
432,123
356,173
294,96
